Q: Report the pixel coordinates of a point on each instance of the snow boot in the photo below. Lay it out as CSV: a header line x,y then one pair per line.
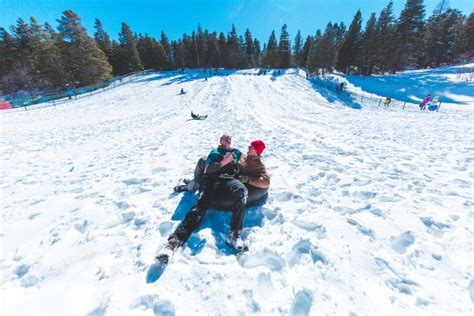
x,y
180,188
164,254
235,242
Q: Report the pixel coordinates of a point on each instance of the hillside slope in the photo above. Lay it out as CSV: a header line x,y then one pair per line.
x,y
370,211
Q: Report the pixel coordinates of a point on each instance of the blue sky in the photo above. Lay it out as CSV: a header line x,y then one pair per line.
x,y
178,17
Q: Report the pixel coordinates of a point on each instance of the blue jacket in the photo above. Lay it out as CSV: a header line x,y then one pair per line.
x,y
216,155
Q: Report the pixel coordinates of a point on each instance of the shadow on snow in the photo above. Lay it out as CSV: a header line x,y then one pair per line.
x,y
218,221
335,97
414,86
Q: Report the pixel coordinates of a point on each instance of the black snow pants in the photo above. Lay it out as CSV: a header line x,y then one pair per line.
x,y
220,188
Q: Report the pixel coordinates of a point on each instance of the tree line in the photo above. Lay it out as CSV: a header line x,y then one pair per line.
x,y
39,58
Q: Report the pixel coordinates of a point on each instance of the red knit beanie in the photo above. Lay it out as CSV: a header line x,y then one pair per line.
x,y
258,145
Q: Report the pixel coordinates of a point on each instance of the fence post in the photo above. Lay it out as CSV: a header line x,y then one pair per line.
x,y
404,105
380,101
439,106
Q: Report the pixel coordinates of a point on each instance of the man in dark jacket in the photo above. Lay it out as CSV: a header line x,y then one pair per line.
x,y
223,179
216,155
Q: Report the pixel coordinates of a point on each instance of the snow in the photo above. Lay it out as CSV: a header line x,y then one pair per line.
x,y
370,209
453,84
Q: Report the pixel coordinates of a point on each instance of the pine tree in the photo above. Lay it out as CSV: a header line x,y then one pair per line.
x,y
222,44
284,49
314,62
464,48
385,48
178,53
242,64
257,52
249,49
167,47
271,58
151,52
339,34
441,7
48,65
10,66
102,39
298,49
236,57
7,51
84,62
128,53
368,45
327,48
408,34
24,43
349,47
213,51
189,51
442,32
306,50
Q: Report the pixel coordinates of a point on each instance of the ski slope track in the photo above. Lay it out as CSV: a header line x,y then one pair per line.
x,y
370,210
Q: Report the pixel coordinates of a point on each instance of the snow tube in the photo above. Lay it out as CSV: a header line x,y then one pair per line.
x,y
255,196
432,107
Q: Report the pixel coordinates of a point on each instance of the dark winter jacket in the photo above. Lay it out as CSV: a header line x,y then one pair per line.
x,y
254,168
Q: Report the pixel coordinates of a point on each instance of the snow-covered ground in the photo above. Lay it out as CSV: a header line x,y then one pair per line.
x,y
453,84
370,211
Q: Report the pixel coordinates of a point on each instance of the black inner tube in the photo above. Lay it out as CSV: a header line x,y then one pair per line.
x,y
255,196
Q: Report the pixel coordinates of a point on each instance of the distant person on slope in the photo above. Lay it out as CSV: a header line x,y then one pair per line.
x,y
223,179
424,102
198,117
387,101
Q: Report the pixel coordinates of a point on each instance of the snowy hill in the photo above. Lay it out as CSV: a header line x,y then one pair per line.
x,y
370,211
454,84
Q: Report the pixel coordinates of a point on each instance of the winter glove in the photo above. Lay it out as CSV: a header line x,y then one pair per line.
x,y
244,179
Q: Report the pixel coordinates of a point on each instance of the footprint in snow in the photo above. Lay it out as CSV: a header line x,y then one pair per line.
x,y
332,179
402,242
287,196
21,270
134,181
308,225
122,205
81,226
362,229
265,286
265,258
165,228
159,306
436,228
301,305
101,309
127,217
305,247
